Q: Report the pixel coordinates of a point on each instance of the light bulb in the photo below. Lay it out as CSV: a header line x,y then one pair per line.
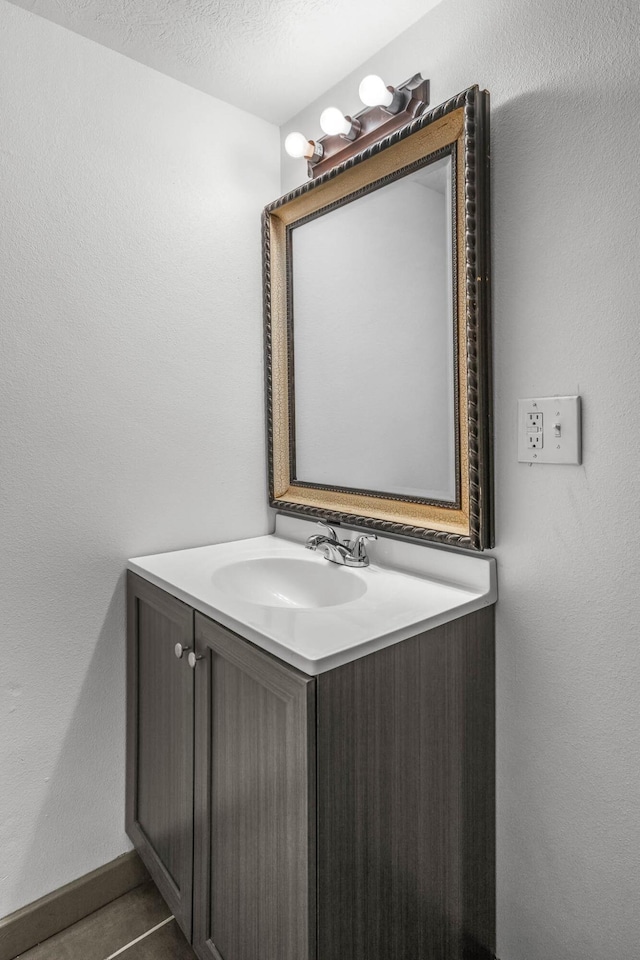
x,y
333,122
374,93
298,146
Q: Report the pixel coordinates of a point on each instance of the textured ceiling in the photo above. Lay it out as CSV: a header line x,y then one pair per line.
x,y
270,57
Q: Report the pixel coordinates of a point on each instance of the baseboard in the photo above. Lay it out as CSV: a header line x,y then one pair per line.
x,y
58,910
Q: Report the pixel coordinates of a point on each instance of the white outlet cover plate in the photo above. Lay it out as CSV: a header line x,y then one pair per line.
x,y
565,411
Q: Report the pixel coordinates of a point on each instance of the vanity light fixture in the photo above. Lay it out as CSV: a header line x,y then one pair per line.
x,y
297,146
375,93
334,123
387,109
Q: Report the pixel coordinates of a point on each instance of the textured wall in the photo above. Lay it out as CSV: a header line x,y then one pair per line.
x,y
131,395
564,80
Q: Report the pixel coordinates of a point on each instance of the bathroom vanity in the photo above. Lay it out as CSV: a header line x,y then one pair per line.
x,y
343,810
310,770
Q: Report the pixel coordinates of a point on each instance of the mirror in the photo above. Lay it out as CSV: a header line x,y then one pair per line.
x,y
387,337
377,334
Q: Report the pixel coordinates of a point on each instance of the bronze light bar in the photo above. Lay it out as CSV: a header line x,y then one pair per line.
x,y
410,100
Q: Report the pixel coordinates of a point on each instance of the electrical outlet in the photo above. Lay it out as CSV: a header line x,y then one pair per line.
x,y
534,431
549,430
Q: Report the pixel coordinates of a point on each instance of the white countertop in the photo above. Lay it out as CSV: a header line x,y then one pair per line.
x,y
407,589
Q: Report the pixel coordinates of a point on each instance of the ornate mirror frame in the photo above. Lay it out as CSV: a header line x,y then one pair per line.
x,y
461,127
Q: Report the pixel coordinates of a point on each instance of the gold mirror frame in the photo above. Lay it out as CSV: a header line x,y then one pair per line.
x,y
461,126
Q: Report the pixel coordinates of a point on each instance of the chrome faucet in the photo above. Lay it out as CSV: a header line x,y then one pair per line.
x,y
351,553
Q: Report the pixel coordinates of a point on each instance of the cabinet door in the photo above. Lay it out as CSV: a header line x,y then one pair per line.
x,y
254,803
159,816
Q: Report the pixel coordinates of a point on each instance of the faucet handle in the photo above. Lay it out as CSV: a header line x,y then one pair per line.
x,y
357,546
331,531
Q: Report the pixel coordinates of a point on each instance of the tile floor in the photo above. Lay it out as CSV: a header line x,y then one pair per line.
x,y
137,926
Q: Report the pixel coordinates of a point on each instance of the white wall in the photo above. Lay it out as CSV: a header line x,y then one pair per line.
x,y
131,394
564,81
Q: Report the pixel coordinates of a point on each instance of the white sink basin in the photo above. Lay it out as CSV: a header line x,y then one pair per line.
x,y
287,582
314,614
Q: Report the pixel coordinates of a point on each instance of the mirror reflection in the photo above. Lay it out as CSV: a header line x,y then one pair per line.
x,y
373,327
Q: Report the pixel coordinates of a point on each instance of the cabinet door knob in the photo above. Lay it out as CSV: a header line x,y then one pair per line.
x,y
193,659
179,650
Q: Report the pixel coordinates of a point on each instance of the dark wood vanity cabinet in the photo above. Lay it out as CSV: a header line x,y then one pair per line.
x,y
348,816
